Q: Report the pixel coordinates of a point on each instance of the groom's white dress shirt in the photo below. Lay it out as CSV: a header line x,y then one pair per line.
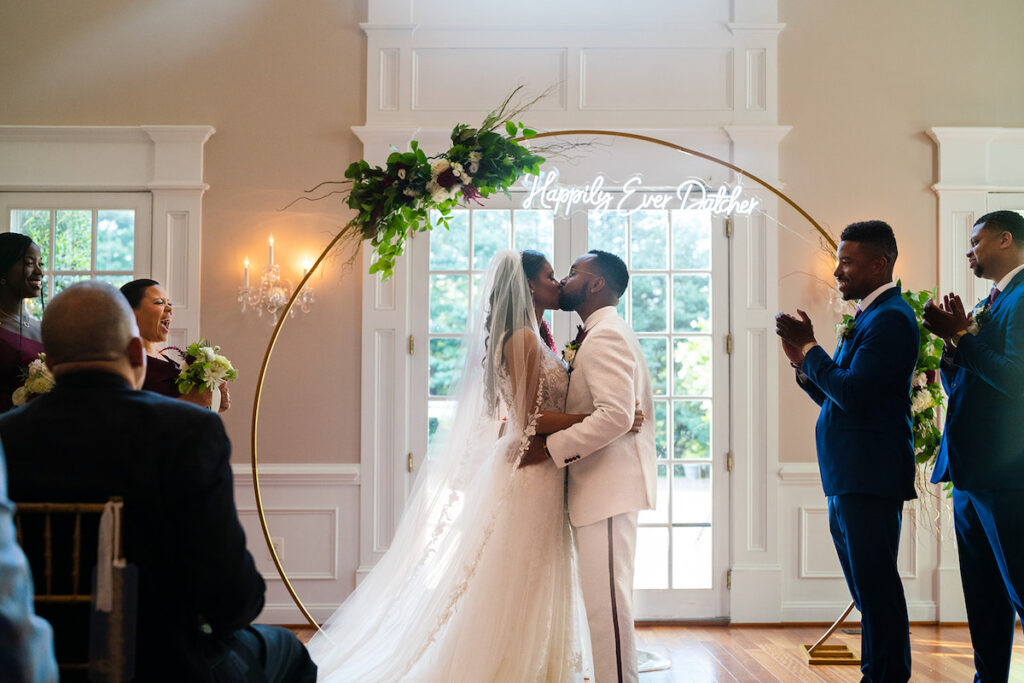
x,y
612,469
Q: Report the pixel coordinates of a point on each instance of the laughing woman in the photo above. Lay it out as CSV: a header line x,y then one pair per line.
x,y
153,312
21,277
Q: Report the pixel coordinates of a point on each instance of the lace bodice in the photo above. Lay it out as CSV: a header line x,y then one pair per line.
x,y
554,385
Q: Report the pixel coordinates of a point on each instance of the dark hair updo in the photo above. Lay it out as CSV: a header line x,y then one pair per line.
x,y
134,290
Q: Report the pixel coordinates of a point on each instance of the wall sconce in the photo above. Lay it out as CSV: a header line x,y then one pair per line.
x,y
273,291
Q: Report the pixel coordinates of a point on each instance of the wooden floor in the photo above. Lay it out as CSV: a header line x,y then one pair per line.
x,y
757,654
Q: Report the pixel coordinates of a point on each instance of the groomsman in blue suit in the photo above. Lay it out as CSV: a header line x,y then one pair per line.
x,y
864,436
982,450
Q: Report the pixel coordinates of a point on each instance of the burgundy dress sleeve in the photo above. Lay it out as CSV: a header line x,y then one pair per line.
x,y
160,375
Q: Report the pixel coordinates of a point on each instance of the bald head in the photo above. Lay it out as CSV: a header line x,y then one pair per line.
x,y
89,325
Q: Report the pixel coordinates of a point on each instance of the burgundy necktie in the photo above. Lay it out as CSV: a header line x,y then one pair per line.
x,y
857,313
992,296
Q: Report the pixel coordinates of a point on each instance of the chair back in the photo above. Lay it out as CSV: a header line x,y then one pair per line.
x,y
60,541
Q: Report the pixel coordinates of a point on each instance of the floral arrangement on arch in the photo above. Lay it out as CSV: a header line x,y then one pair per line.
x,y
38,380
395,201
203,368
926,391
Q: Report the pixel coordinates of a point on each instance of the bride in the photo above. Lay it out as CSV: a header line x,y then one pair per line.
x,y
480,582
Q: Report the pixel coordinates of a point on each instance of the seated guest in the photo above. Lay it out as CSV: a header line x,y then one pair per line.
x,y
21,278
96,436
26,642
153,313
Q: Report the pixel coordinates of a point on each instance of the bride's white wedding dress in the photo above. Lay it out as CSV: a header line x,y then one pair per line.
x,y
480,581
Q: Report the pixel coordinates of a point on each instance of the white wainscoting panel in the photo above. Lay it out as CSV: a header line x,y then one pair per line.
x,y
312,512
814,588
688,79
439,75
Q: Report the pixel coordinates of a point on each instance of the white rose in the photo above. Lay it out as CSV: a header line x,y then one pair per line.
x,y
439,166
920,379
19,396
401,174
475,157
457,170
474,167
209,355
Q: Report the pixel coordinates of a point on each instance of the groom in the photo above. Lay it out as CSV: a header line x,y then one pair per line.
x,y
612,473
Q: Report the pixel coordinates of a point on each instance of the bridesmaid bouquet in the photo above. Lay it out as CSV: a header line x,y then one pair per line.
x,y
203,368
38,380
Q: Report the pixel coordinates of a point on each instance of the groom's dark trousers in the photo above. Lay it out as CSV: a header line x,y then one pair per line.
x,y
865,450
982,453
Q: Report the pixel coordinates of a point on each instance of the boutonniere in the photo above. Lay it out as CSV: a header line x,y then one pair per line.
x,y
845,328
569,352
979,316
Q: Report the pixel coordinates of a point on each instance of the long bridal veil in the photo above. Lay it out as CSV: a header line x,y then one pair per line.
x,y
395,619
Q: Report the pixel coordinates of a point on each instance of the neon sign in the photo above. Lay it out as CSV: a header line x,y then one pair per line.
x,y
544,192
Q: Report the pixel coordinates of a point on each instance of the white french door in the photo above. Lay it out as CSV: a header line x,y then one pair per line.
x,y
677,303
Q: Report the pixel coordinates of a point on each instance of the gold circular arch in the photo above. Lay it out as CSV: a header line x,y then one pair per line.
x,y
327,250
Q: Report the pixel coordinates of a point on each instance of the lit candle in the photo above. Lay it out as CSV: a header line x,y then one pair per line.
x,y
246,271
271,250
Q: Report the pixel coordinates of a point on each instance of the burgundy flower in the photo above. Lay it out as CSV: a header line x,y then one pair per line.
x,y
447,179
472,194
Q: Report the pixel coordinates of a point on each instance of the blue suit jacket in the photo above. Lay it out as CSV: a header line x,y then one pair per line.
x,y
983,441
864,433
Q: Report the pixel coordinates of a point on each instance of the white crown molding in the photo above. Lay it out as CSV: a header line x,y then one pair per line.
x,y
799,473
300,474
738,27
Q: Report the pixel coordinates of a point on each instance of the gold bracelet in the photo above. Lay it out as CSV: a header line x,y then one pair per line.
x,y
955,339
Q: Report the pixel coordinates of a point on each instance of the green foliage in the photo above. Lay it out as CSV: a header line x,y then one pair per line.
x,y
416,193
926,393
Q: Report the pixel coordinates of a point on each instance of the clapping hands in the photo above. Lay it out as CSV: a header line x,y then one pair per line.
x,y
947,319
795,334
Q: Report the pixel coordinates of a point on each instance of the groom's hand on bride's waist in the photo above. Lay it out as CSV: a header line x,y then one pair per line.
x,y
536,453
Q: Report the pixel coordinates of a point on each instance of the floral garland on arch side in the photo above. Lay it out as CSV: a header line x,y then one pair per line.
x,y
394,201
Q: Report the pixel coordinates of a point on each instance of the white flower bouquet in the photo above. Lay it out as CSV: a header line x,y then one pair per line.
x,y
203,368
39,380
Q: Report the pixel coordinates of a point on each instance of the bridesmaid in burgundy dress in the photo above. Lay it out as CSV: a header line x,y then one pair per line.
x,y
153,312
21,277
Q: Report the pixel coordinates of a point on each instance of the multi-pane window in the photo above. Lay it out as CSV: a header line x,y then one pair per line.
x,y
78,244
459,258
668,305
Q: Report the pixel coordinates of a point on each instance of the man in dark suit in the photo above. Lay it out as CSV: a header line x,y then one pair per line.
x,y
864,436
982,449
96,436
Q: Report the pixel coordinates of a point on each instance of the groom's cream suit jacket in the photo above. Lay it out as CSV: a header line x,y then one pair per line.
x,y
611,469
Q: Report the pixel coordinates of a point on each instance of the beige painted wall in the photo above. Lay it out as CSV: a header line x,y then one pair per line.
x,y
860,82
282,82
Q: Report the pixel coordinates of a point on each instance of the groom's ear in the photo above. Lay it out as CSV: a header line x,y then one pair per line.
x,y
597,284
